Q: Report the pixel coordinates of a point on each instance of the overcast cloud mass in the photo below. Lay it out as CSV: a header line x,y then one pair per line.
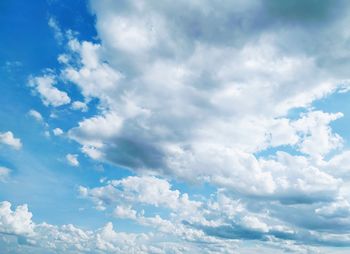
x,y
175,126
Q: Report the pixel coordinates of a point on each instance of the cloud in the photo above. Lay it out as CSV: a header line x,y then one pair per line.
x,y
206,93
172,120
4,173
57,131
18,222
50,95
36,115
72,159
125,212
220,217
146,189
8,138
47,238
78,105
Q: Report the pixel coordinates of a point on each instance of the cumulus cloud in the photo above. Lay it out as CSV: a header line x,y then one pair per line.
x,y
50,95
147,189
44,238
18,222
7,138
205,93
182,113
221,216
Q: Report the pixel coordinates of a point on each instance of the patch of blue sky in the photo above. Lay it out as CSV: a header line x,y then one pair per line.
x,y
271,151
25,34
196,191
338,102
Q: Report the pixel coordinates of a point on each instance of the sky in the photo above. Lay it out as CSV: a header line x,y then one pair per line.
x,y
174,126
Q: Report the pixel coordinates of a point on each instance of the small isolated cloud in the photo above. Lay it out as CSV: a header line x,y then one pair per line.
x,y
72,159
7,138
4,173
57,131
78,105
50,95
36,115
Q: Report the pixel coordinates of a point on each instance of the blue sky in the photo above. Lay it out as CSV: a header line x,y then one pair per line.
x,y
174,127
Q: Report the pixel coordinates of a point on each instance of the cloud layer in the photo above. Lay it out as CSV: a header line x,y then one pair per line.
x,y
208,94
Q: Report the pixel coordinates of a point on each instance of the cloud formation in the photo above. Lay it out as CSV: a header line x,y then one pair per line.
x,y
50,95
7,138
210,94
72,159
36,115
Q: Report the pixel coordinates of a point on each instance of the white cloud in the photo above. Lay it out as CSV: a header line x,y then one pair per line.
x,y
179,98
8,138
125,212
318,138
72,159
78,105
95,78
49,94
57,131
93,131
220,215
146,189
36,115
130,34
254,223
18,222
177,123
71,239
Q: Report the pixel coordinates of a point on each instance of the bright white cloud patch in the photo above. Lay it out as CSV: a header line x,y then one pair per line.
x,y
49,94
18,222
7,138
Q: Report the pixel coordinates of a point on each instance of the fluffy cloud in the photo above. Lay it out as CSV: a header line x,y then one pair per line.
x,y
47,238
8,138
147,190
205,93
222,216
49,94
78,105
18,222
183,118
